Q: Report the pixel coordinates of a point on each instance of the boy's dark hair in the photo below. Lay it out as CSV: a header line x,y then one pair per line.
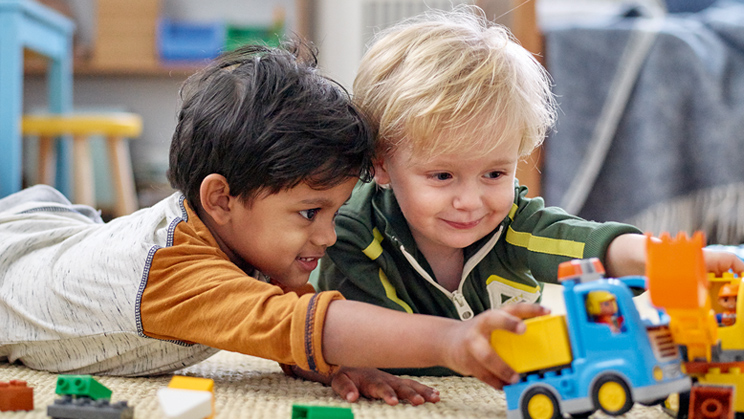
x,y
267,121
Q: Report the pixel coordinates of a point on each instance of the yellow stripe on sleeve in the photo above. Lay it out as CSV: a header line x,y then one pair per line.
x,y
391,294
559,247
374,249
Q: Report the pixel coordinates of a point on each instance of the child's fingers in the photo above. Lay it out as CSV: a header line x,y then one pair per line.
x,y
345,387
719,261
380,390
429,394
414,392
410,395
526,310
493,381
502,319
492,364
488,365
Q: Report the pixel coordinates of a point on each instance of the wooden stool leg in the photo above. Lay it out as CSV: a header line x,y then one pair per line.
x,y
121,169
46,166
83,172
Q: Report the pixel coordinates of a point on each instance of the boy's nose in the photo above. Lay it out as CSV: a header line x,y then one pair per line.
x,y
468,197
325,236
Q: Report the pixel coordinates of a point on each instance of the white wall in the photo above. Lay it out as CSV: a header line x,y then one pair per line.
x,y
344,28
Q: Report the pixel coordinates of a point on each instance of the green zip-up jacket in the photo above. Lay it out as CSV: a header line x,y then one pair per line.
x,y
376,260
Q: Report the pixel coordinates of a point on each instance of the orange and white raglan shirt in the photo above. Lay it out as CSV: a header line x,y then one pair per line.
x,y
146,293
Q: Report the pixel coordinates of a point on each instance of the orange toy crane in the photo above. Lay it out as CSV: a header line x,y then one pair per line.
x,y
677,281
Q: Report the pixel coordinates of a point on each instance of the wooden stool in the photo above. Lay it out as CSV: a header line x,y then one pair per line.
x,y
116,127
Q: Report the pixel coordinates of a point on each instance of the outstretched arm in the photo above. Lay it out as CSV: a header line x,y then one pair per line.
x,y
361,335
626,255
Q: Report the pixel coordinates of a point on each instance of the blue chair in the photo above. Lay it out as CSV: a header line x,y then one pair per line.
x,y
28,24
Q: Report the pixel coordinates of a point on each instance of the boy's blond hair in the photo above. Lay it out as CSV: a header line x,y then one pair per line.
x,y
446,81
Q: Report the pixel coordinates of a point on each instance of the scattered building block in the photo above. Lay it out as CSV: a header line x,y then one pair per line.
x,y
82,385
194,383
711,402
16,395
86,408
300,411
177,403
191,383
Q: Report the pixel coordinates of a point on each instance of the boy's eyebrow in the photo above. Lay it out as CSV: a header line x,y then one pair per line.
x,y
494,162
321,202
504,161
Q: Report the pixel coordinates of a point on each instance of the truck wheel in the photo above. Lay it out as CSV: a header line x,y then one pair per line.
x,y
539,403
612,396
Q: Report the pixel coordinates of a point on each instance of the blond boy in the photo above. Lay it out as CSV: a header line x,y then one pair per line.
x,y
446,229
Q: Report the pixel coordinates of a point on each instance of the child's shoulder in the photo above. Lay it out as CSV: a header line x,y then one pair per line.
x,y
357,215
360,202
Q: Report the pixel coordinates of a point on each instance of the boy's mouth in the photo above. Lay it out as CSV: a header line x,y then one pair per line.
x,y
308,263
463,226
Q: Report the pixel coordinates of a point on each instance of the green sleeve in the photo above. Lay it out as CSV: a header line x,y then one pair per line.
x,y
541,237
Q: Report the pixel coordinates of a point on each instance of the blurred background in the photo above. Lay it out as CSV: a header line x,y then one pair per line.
x,y
651,91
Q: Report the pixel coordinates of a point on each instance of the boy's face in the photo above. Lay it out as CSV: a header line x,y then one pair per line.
x,y
283,235
453,200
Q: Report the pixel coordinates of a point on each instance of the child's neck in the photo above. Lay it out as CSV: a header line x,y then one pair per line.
x,y
446,264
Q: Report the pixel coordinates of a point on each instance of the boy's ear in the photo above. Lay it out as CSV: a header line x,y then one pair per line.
x,y
381,175
215,197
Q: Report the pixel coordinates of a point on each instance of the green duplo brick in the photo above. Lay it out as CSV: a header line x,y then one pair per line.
x,y
82,385
300,411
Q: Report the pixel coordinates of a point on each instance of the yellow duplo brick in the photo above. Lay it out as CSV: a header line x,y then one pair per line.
x,y
194,383
191,383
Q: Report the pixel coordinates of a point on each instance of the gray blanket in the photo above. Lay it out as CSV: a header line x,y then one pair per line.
x,y
651,122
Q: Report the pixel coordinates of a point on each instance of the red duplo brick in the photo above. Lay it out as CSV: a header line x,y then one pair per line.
x,y
16,395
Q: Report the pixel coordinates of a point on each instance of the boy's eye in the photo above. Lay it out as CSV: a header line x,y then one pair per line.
x,y
494,175
442,176
310,213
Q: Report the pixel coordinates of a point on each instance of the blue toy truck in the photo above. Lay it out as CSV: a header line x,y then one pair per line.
x,y
586,361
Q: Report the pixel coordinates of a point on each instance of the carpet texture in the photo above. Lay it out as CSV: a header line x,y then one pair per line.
x,y
249,387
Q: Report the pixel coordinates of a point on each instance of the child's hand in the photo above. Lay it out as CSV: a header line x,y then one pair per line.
x,y
720,261
350,383
471,352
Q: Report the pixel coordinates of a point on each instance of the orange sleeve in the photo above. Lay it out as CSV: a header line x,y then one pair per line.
x,y
196,295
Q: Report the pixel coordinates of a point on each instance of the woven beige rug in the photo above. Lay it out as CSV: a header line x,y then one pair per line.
x,y
249,387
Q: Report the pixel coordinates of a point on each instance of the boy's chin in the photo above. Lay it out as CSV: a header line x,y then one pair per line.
x,y
461,244
296,281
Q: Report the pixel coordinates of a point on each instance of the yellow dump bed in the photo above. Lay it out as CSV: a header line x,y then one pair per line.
x,y
544,345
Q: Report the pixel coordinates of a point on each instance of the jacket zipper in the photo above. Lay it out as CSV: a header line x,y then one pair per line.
x,y
462,306
456,296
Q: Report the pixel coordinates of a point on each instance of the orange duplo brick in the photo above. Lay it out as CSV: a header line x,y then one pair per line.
x,y
711,402
16,395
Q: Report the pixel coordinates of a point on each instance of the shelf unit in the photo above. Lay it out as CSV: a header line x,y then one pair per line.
x,y
126,41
